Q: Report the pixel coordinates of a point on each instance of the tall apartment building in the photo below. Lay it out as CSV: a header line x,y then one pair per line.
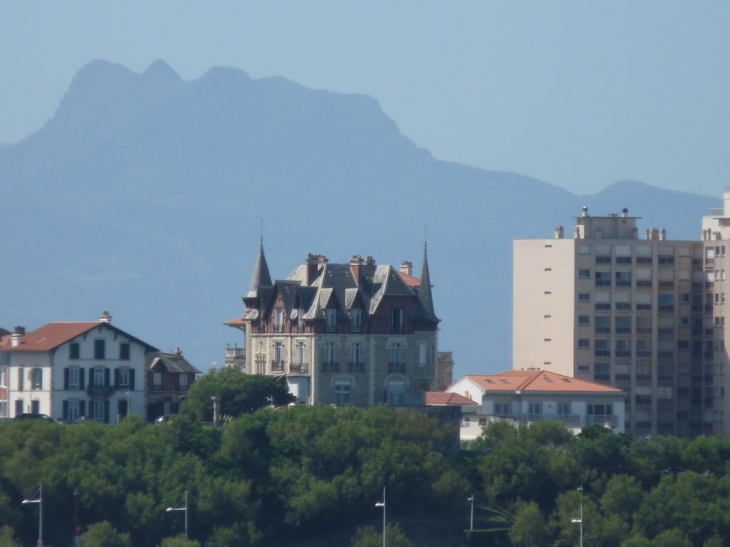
x,y
355,333
633,310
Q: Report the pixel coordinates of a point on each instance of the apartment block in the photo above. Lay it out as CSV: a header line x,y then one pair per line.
x,y
631,309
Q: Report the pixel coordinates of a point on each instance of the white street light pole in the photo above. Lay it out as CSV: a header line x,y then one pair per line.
x,y
579,520
382,504
471,521
39,501
183,508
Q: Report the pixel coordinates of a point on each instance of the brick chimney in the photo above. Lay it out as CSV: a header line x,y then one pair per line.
x,y
356,268
406,268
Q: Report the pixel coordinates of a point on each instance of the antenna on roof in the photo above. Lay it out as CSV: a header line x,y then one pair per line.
x,y
425,234
262,230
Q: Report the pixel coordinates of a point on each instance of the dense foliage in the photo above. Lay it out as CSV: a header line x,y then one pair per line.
x,y
309,472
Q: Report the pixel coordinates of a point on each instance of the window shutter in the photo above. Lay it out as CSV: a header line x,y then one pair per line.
x,y
91,377
81,378
131,379
65,409
82,407
65,384
106,377
106,411
116,378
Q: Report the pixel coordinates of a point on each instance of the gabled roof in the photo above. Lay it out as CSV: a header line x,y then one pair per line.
x,y
172,362
538,381
52,335
442,398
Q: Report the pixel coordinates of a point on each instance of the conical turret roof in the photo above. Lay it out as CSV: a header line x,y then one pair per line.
x,y
425,296
261,276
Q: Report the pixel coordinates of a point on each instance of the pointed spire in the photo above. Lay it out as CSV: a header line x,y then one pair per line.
x,y
261,276
424,291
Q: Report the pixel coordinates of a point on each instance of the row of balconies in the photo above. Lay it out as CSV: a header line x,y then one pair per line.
x,y
572,419
330,367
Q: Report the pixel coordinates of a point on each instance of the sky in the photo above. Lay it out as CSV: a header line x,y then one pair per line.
x,y
579,94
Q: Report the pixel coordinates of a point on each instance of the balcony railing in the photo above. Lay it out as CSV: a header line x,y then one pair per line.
x,y
396,367
602,420
330,366
277,366
100,391
235,353
299,368
356,367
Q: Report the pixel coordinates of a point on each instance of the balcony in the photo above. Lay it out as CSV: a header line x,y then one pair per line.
x,y
397,368
235,353
277,366
609,420
103,391
603,260
643,283
299,368
330,366
356,367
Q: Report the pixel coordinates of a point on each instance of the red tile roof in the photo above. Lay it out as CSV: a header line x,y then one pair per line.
x,y
235,322
47,337
538,380
441,398
409,280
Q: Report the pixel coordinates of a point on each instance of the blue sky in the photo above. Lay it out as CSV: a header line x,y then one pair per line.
x,y
579,94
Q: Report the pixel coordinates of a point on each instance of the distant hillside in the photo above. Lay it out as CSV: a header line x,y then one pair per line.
x,y
146,195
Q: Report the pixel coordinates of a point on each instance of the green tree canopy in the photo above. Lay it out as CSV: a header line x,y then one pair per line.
x,y
103,534
240,393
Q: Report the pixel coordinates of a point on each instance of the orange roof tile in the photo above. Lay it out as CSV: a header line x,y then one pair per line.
x,y
441,398
235,322
538,380
409,280
47,337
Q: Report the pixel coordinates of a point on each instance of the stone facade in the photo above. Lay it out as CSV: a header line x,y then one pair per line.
x,y
355,333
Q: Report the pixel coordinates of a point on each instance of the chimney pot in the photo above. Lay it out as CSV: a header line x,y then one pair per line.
x,y
105,317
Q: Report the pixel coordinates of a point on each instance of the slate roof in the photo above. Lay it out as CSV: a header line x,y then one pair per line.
x,y
441,398
172,362
52,335
538,381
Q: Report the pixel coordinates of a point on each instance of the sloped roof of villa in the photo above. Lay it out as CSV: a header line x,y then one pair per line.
x,y
538,381
442,398
52,335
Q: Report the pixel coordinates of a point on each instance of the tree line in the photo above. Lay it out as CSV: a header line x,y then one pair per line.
x,y
276,471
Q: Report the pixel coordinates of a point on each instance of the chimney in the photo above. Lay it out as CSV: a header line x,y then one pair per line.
x,y
178,352
356,268
105,317
625,212
559,232
20,331
407,268
14,340
369,261
585,211
312,263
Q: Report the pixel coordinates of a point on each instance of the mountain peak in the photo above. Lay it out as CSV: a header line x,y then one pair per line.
x,y
160,70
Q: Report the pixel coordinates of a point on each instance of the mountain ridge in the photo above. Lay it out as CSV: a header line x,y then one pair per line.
x,y
146,194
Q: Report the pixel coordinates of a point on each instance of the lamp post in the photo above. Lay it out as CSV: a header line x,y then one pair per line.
x,y
579,520
183,508
38,498
382,504
471,520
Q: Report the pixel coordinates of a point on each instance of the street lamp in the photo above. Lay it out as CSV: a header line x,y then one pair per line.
x,y
382,504
579,520
471,520
183,508
38,498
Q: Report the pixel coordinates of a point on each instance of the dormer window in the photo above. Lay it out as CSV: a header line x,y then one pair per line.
x,y
331,316
278,319
355,320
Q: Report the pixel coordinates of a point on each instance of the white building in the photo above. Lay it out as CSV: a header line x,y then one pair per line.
x,y
528,396
70,370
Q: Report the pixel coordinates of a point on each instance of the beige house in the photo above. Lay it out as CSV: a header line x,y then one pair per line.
x,y
630,309
354,333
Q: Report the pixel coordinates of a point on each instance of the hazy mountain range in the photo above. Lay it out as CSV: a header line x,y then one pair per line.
x,y
146,195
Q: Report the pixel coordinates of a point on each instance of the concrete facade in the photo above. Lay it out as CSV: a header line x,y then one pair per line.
x,y
630,309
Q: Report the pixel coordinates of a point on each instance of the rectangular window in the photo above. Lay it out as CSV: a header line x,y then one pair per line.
x,y
623,279
18,406
73,350
602,372
99,411
535,409
279,319
584,272
602,348
124,351
342,392
397,354
329,353
599,410
422,354
603,279
502,409
183,380
397,320
584,320
331,316
73,410
21,378
157,380
623,324
36,378
99,349
584,343
300,352
396,392
356,353
564,409
584,297
355,319
602,324
98,377
73,378
123,377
